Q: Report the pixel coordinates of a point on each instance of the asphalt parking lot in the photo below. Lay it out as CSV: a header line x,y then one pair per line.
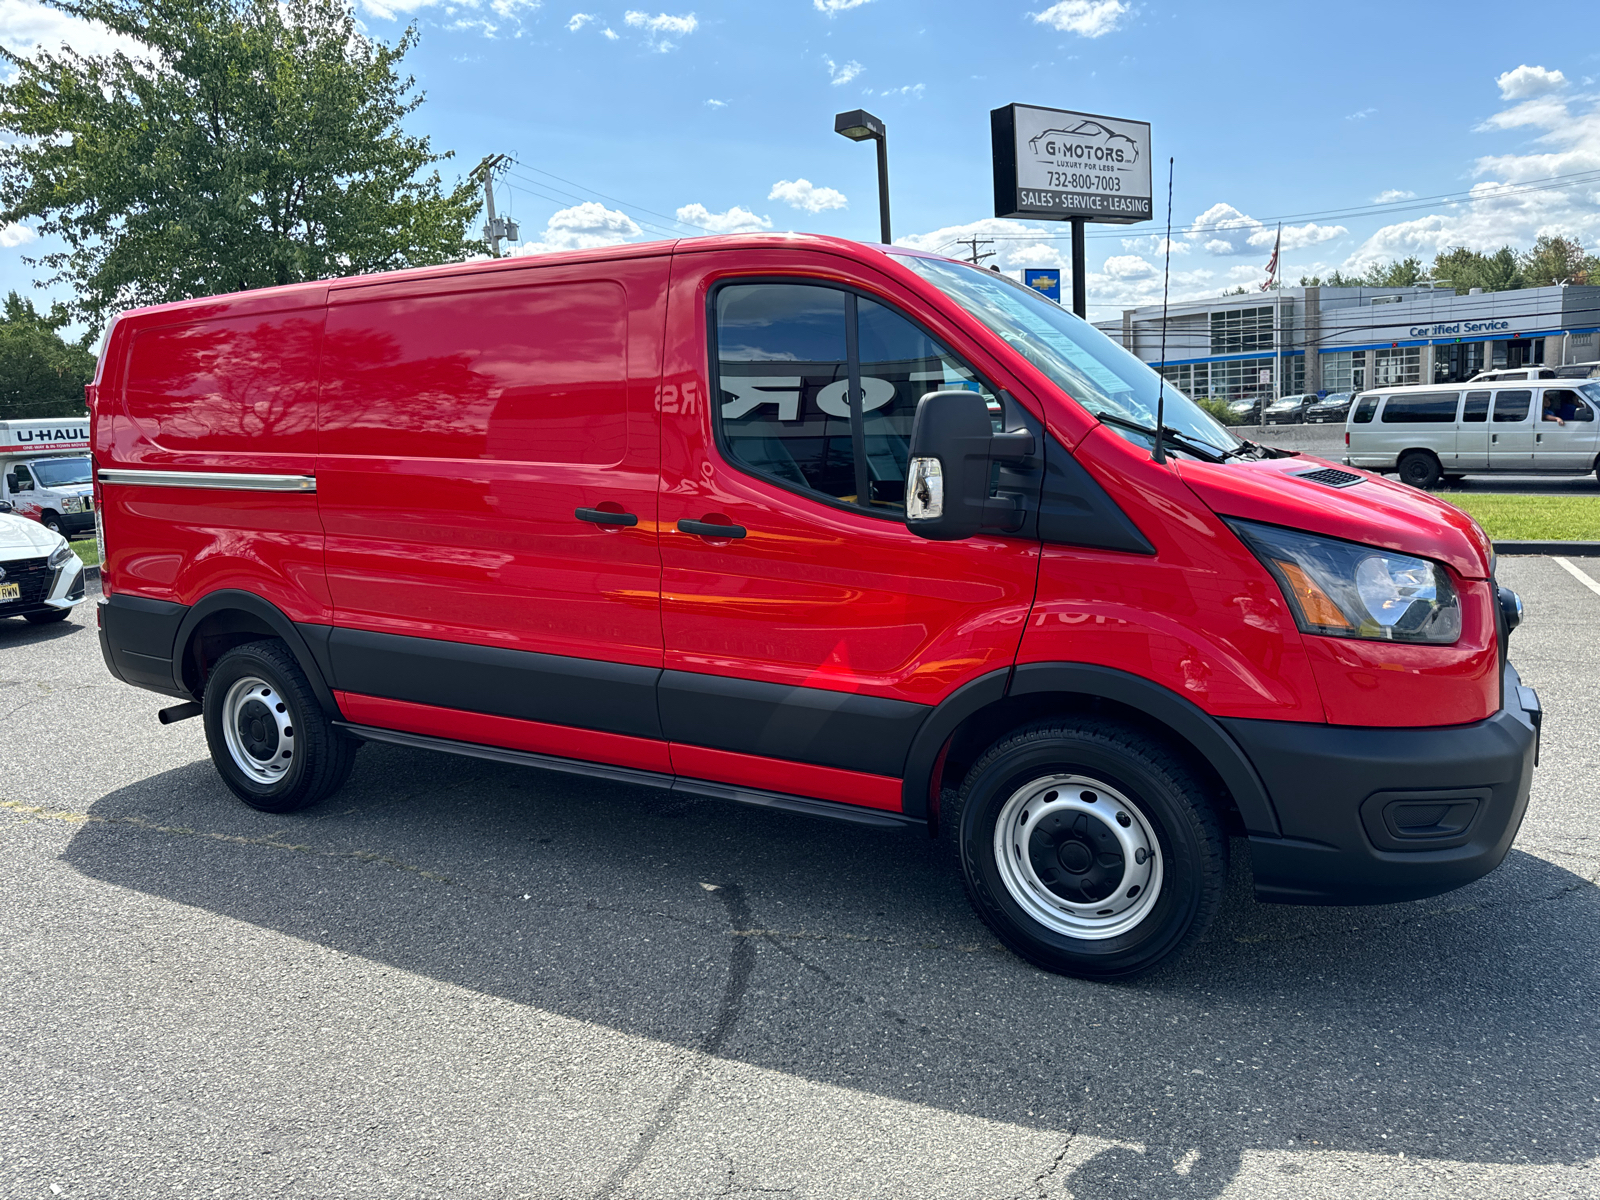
x,y
460,978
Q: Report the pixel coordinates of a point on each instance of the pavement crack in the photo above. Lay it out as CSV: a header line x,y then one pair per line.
x,y
741,965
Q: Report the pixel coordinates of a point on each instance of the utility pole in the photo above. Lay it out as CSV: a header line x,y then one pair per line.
x,y
495,229
976,257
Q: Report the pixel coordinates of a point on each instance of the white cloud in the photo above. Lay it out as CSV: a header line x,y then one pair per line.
x,y
610,33
1222,230
1087,18
716,104
585,226
803,194
834,7
463,11
579,20
660,28
1563,139
1528,81
26,26
913,90
838,75
1390,195
12,236
1360,116
735,220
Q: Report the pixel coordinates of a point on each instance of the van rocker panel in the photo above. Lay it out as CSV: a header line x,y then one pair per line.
x,y
587,693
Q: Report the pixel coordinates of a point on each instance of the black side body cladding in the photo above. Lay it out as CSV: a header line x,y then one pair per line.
x,y
801,724
966,700
1074,510
137,637
613,697
225,606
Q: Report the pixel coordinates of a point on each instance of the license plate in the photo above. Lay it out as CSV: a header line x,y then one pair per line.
x,y
10,591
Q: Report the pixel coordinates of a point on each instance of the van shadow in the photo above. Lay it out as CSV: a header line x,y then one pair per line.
x,y
1458,1028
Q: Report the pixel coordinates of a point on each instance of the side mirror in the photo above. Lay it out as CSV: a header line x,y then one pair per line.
x,y
11,483
5,506
953,449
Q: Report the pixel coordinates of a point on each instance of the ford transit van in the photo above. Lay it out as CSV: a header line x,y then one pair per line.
x,y
1431,433
850,530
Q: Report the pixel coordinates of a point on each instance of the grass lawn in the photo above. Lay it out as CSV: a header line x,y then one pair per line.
x,y
88,550
1533,518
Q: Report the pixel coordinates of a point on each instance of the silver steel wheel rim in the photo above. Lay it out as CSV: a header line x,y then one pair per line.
x,y
258,729
1031,842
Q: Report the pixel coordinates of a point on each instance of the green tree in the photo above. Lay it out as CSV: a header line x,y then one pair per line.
x,y
258,142
1558,260
1408,272
41,375
1466,269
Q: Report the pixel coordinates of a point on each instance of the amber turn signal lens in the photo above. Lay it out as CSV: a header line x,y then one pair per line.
x,y
1313,601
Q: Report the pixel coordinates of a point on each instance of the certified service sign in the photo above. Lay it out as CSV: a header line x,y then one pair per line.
x,y
1054,165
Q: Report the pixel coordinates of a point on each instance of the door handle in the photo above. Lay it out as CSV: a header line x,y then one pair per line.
x,y
1494,439
1538,437
707,530
599,516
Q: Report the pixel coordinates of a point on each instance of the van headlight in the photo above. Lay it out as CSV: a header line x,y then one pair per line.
x,y
1341,589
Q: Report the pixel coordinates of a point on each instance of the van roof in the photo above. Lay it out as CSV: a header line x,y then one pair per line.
x,y
313,293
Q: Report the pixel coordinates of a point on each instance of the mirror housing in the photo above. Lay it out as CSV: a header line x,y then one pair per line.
x,y
953,449
5,506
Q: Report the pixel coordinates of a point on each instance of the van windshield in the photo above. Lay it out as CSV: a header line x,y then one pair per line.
x,y
60,472
1077,357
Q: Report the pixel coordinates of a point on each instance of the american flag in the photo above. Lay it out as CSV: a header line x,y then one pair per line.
x,y
1272,263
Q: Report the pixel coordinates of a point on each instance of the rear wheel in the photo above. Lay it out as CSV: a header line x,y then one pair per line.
x,y
1420,469
270,739
1089,848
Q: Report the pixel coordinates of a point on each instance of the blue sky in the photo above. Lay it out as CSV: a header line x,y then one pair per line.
x,y
720,114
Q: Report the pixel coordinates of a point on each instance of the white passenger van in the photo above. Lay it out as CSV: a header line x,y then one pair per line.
x,y
1433,432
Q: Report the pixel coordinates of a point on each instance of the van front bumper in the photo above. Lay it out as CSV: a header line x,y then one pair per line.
x,y
1375,816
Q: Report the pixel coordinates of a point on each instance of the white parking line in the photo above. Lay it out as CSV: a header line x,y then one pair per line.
x,y
1580,576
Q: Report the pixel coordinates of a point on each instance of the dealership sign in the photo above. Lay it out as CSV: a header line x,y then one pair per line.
x,y
1051,164
1457,328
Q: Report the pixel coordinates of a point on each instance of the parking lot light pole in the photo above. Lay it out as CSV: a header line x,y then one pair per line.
x,y
861,126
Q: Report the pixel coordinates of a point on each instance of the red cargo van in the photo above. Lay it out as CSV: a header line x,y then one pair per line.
x,y
840,528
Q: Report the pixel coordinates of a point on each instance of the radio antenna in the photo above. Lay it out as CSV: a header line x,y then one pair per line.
x,y
1160,455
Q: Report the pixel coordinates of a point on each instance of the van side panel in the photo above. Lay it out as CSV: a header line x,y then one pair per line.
x,y
464,421
233,392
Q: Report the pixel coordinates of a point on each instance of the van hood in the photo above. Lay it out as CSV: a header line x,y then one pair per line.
x,y
22,538
1373,511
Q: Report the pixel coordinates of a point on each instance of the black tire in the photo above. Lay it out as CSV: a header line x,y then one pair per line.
x,y
51,520
48,617
1419,469
1452,480
297,755
1167,801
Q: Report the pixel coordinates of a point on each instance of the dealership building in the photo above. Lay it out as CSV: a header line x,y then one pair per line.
x,y
1345,339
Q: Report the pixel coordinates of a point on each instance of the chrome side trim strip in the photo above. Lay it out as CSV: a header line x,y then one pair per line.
x,y
212,479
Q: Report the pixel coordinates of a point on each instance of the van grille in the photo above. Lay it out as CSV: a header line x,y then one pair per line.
x,y
1330,476
34,576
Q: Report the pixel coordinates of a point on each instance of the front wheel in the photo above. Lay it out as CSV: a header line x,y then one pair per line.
x,y
270,739
1089,848
51,520
47,616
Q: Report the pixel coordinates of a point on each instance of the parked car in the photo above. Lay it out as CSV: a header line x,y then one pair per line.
x,y
44,473
1332,407
611,512
1247,412
1290,410
1428,433
41,579
1503,374
1587,370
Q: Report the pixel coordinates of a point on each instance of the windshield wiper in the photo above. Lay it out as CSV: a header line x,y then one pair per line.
x,y
1169,435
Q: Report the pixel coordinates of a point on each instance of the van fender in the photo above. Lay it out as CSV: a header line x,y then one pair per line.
x,y
297,637
1203,733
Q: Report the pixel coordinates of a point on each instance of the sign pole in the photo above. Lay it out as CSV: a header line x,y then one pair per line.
x,y
1080,285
